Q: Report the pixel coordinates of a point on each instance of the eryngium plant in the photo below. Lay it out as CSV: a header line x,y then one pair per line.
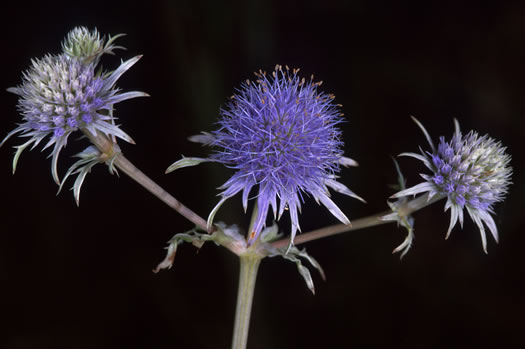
x,y
471,171
280,135
67,92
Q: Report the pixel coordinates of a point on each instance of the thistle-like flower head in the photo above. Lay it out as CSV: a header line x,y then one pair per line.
x,y
471,171
280,135
63,93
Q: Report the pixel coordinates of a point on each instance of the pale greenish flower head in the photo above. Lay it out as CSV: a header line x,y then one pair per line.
x,y
88,45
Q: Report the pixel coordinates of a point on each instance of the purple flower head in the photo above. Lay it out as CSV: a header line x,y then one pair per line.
x,y
61,94
473,172
280,136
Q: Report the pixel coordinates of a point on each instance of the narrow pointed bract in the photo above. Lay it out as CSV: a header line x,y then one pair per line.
x,y
471,171
280,135
63,93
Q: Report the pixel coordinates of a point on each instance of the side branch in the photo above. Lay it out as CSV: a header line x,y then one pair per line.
x,y
107,147
122,163
357,224
404,209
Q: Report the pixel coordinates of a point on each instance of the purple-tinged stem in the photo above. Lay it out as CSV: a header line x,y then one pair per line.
x,y
106,147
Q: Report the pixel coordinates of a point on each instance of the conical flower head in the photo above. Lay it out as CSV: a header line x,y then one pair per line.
x,y
280,134
61,94
471,171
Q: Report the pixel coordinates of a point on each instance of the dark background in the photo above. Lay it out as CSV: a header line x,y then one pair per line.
x,y
81,277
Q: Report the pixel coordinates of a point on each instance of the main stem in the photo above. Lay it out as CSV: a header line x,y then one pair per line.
x,y
247,277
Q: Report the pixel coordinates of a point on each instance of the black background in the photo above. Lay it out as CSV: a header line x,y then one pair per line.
x,y
81,277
